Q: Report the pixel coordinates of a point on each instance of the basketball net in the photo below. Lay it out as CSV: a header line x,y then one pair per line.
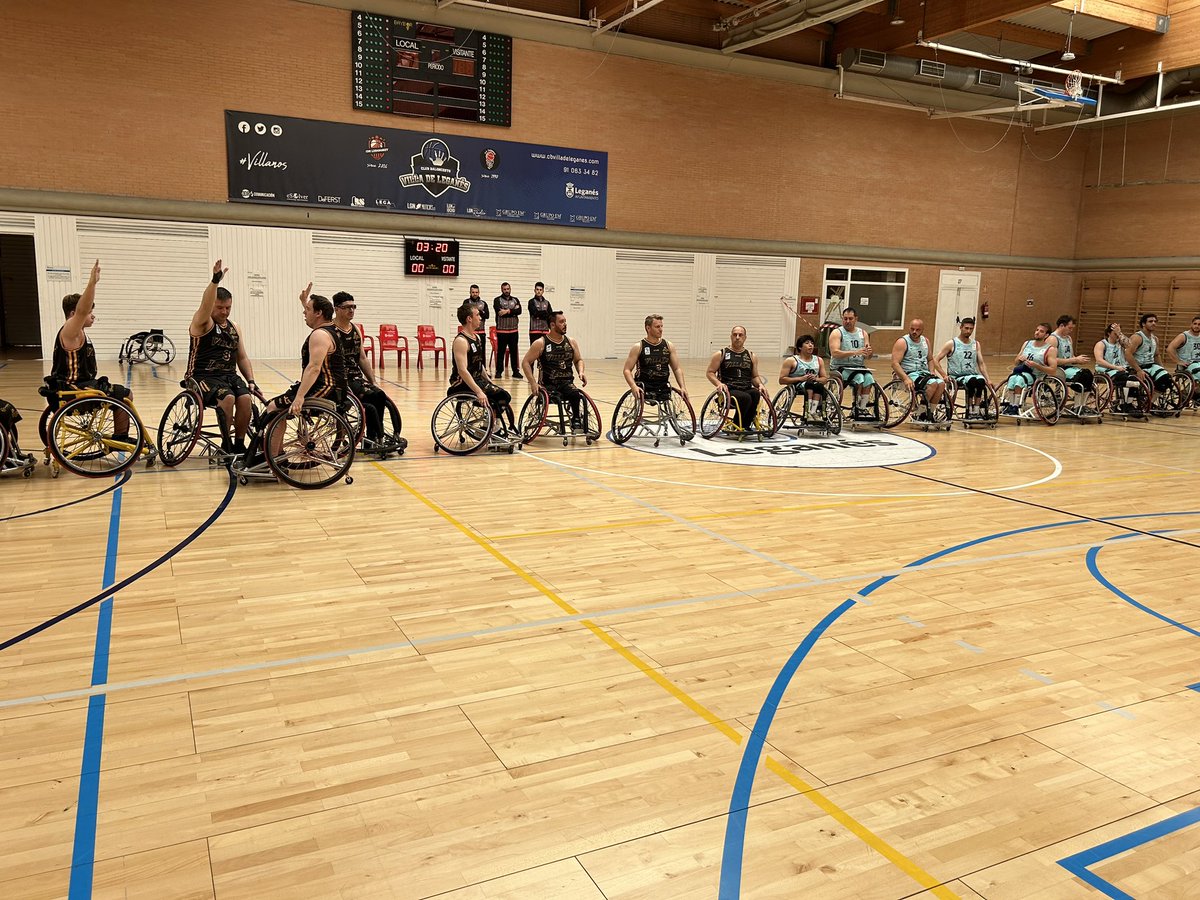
x,y
1075,84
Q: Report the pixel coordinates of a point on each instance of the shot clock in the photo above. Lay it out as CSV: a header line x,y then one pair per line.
x,y
430,256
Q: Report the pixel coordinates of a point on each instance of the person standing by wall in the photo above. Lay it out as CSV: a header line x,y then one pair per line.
x,y
508,312
539,313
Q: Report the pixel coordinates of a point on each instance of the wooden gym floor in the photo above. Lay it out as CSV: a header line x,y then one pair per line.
x,y
601,673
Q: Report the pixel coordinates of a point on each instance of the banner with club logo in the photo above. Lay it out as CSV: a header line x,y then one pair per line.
x,y
305,162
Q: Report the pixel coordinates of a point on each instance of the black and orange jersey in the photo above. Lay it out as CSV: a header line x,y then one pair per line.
x,y
737,369
331,382
73,366
474,359
557,362
653,363
215,352
350,345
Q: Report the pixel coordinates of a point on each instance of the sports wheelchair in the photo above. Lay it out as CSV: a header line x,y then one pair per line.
x,y
354,411
903,400
12,458
462,425
656,416
147,346
826,418
1173,399
76,428
537,416
1042,401
182,427
1193,400
720,414
986,412
311,450
876,413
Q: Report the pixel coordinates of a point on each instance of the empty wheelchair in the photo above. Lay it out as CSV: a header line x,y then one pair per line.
x,y
546,413
12,458
720,415
874,413
909,403
982,410
820,415
78,430
147,346
307,451
462,425
659,415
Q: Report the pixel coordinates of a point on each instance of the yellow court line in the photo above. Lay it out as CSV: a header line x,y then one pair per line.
x,y
830,808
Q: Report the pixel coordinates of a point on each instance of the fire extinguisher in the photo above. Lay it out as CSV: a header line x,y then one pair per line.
x,y
983,311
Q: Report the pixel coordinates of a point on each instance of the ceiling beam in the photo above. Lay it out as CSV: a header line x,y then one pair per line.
x,y
635,9
792,18
875,31
1137,53
1019,34
1145,15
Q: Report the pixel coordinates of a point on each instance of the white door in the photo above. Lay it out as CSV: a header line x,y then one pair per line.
x,y
958,297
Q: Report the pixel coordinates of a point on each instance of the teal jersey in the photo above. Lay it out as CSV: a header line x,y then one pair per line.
x,y
1190,351
962,360
803,367
1114,354
916,355
852,340
1147,353
1066,346
1037,354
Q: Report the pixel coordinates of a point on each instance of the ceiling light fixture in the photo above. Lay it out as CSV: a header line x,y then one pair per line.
x,y
1067,55
894,12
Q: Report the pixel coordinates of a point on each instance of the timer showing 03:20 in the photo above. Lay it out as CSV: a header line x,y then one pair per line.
x,y
430,256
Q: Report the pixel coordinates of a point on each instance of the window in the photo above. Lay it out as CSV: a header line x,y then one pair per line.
x,y
878,294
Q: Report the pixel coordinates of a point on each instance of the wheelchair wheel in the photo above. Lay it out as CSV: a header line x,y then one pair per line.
x,y
831,414
1105,391
942,413
714,413
990,407
352,410
782,404
158,348
626,417
179,428
674,408
1049,398
44,426
315,448
592,422
533,415
1173,400
898,400
766,423
837,387
461,424
81,437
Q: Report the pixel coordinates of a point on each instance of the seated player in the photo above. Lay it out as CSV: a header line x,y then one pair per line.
x,y
808,373
215,355
1143,353
1184,351
1111,360
912,365
468,375
360,374
74,360
9,417
1080,379
558,357
1036,359
324,375
734,370
849,350
650,362
964,363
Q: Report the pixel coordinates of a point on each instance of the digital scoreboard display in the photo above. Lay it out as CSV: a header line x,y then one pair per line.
x,y
430,256
419,69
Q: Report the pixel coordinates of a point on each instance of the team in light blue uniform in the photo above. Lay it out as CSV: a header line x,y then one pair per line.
x,y
1037,358
849,350
1143,353
912,365
964,363
1184,351
807,374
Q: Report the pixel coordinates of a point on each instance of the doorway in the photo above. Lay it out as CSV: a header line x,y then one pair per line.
x,y
958,297
20,320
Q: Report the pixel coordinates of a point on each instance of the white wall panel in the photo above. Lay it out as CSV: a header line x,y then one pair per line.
x,y
56,246
581,282
748,289
654,283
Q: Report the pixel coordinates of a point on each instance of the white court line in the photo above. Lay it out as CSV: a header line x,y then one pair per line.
x,y
751,593
750,490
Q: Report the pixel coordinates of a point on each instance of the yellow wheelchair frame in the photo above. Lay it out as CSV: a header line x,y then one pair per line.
x,y
77,433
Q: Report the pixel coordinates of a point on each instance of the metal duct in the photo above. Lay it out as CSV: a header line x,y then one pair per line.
x,y
905,68
1144,97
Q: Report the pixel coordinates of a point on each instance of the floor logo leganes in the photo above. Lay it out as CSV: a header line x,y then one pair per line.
x,y
848,450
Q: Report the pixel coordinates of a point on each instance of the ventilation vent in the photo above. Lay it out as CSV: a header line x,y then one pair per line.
x,y
506,249
757,262
651,256
131,227
20,223
356,239
986,78
928,68
868,61
1037,82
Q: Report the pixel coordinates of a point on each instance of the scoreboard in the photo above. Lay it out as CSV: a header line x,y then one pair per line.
x,y
426,256
419,69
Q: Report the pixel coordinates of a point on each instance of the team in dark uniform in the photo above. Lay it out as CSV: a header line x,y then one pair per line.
x,y
324,376
468,373
557,357
216,354
650,362
508,312
539,309
360,377
736,370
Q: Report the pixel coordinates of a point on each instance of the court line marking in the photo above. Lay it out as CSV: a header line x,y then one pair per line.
x,y
751,490
1094,569
1078,863
750,593
712,718
116,485
83,850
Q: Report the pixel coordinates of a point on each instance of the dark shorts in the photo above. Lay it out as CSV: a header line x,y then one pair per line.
x,y
656,390
316,392
9,416
116,391
215,388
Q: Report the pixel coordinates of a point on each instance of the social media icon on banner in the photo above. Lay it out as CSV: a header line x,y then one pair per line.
x,y
244,127
260,128
276,131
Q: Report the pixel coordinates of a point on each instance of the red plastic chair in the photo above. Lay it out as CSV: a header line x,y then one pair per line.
x,y
391,339
427,339
368,343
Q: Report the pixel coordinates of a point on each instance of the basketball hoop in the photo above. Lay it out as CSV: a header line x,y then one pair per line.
x,y
1075,84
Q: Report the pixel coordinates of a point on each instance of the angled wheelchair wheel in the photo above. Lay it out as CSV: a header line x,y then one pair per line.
x,y
158,348
461,424
533,415
1105,390
592,423
626,417
1176,397
680,415
899,400
990,407
714,413
782,403
81,437
942,412
1049,398
352,410
315,448
179,428
766,422
837,387
831,413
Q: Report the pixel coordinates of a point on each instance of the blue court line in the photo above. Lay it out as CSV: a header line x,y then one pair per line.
x,y
1078,863
1194,687
83,854
1098,575
739,802
120,480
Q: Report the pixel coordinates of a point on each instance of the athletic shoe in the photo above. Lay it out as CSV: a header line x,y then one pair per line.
x,y
1010,409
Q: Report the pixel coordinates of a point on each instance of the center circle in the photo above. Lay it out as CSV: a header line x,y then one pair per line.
x,y
842,451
